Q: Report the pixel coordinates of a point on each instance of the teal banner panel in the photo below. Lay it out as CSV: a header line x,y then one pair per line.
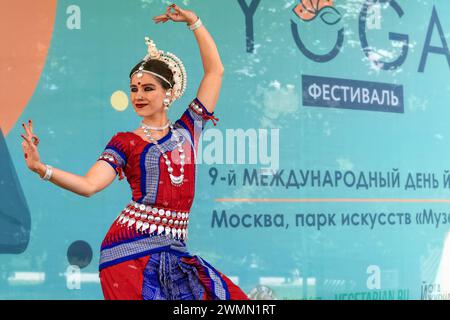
x,y
327,176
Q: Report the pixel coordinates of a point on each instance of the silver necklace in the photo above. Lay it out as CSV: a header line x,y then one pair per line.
x,y
164,127
175,180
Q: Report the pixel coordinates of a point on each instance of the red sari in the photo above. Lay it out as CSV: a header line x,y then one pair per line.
x,y
144,254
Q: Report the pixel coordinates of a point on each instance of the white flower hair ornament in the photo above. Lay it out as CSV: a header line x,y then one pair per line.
x,y
172,61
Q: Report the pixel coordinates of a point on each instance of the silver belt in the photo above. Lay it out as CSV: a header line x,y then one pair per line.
x,y
154,220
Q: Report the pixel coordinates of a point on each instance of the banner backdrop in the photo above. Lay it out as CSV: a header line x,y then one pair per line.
x,y
327,176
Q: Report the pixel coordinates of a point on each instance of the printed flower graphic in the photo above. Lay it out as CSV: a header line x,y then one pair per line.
x,y
308,10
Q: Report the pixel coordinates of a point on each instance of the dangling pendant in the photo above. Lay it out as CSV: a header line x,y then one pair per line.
x,y
141,67
176,181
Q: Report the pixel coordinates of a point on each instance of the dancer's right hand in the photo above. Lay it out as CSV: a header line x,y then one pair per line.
x,y
29,146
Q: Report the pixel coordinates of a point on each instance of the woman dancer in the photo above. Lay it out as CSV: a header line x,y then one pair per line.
x,y
144,253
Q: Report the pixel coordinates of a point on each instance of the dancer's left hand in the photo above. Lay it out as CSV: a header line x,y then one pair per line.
x,y
179,15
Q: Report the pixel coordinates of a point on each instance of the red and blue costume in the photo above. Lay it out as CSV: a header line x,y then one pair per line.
x,y
144,254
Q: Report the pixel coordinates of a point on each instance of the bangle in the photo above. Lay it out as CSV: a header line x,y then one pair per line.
x,y
48,172
195,25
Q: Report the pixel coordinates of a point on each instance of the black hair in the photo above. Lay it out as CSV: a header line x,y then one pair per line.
x,y
159,67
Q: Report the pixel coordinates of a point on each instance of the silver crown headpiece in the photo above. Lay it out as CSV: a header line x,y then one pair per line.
x,y
173,62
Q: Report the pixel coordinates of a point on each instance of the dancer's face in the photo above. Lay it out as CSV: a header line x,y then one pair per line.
x,y
147,95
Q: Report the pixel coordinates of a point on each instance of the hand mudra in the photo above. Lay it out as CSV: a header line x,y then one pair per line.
x,y
179,15
29,146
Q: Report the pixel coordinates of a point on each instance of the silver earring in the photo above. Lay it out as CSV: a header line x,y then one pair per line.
x,y
166,101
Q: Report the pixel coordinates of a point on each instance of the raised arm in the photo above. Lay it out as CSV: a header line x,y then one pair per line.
x,y
208,92
100,175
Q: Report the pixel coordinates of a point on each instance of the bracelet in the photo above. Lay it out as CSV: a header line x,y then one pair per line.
x,y
48,172
195,25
